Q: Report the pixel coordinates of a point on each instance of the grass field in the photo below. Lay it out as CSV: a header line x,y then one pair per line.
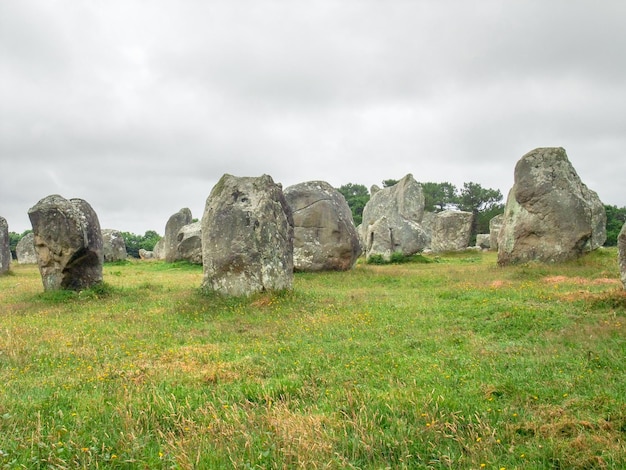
x,y
451,363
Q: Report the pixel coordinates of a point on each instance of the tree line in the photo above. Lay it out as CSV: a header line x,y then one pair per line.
x,y
484,203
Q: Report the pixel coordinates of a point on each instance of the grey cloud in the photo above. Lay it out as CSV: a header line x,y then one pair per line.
x,y
140,108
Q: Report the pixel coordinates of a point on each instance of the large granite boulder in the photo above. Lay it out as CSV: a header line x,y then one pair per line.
x,y
113,245
25,249
325,238
146,254
190,243
621,254
550,214
483,241
158,251
451,231
247,237
68,242
495,224
5,249
174,224
392,218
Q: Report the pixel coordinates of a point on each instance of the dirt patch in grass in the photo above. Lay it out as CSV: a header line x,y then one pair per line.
x,y
581,281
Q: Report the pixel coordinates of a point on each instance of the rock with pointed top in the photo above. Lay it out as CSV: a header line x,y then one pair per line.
x,y
392,220
550,214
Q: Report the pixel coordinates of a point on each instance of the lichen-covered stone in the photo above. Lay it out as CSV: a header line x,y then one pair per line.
x,y
621,254
25,249
190,243
550,214
113,245
5,250
247,237
451,231
325,238
68,243
392,220
172,227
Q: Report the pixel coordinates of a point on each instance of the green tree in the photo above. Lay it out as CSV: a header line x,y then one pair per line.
x,y
356,196
615,220
134,242
389,183
438,196
484,203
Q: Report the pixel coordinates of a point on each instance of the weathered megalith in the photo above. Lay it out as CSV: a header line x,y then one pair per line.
x,y
550,214
5,249
174,224
159,249
495,224
146,254
247,237
190,243
113,245
621,254
325,238
25,249
392,218
451,231
68,242
483,241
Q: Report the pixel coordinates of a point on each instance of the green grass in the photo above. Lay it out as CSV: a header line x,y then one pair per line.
x,y
449,364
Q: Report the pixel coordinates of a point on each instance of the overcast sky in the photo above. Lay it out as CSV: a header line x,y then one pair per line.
x,y
139,107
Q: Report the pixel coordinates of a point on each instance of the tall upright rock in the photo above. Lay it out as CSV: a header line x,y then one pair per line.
x,y
247,237
325,238
172,227
113,245
621,254
550,214
68,242
25,249
5,250
190,243
392,220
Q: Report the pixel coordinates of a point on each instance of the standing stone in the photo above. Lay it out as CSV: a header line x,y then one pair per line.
x,y
483,241
451,231
621,254
495,224
159,249
190,243
392,218
325,238
174,224
247,237
5,249
113,245
68,242
25,249
550,215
